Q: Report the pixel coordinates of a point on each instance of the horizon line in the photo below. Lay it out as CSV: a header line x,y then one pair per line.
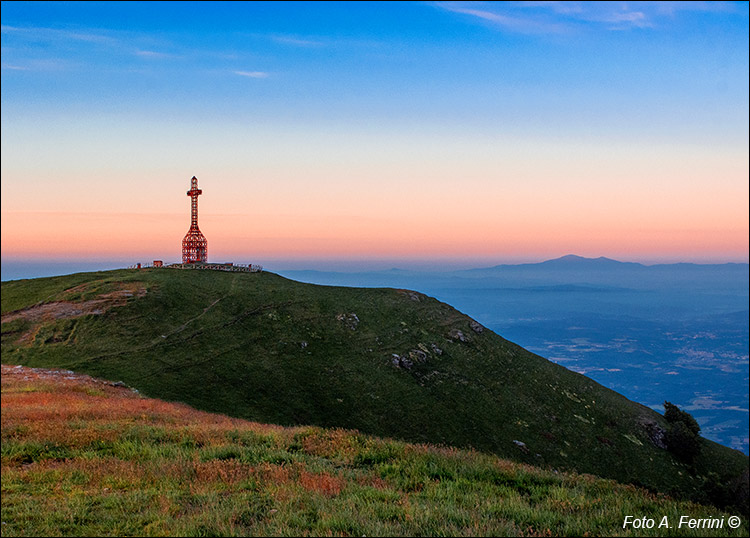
x,y
464,260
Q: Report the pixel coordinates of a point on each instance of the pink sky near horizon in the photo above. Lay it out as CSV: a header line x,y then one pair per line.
x,y
512,235
632,204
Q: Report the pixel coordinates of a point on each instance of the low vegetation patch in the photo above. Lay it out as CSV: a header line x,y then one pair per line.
x,y
81,456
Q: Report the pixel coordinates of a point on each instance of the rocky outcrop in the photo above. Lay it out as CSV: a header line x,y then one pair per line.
x,y
408,360
420,355
413,295
476,327
350,320
656,434
457,335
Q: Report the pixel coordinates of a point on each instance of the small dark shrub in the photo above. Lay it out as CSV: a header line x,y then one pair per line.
x,y
682,442
674,414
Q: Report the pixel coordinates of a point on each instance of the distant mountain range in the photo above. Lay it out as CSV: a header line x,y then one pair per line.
x,y
567,270
572,261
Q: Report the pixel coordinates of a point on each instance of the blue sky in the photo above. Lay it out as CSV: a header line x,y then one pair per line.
x,y
285,108
328,61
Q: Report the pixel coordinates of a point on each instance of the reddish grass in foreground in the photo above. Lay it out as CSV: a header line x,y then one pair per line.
x,y
82,456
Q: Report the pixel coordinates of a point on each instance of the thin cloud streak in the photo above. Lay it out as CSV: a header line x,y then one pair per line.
x,y
317,42
42,64
297,41
560,17
252,74
53,34
154,54
526,25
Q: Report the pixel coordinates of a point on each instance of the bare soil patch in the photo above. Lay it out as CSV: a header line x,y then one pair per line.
x,y
13,374
73,309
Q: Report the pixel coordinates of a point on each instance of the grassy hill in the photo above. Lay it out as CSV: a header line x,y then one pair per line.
x,y
387,362
83,457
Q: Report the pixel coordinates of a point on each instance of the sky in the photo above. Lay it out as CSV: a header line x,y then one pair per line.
x,y
412,132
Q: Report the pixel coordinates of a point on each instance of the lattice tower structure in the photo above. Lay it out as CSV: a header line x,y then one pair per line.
x,y
194,245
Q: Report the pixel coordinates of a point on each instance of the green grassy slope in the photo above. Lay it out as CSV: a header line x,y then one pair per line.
x,y
83,458
268,349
